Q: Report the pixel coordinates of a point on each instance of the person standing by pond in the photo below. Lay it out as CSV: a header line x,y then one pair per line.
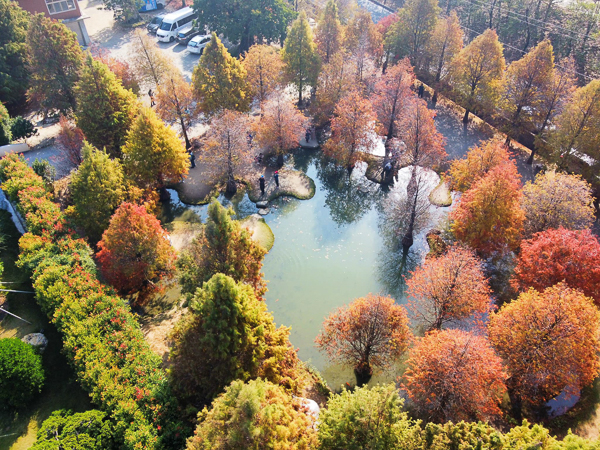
x,y
192,160
276,177
151,95
261,182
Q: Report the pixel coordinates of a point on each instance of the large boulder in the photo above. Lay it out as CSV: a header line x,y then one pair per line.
x,y
37,340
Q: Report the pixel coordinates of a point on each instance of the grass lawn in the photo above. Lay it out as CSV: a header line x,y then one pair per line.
x,y
61,391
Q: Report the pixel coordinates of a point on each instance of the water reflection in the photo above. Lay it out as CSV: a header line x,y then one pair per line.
x,y
348,195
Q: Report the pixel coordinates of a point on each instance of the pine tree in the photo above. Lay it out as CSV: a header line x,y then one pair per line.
x,y
105,109
149,61
219,81
153,156
302,62
97,191
55,59
363,42
476,72
13,53
329,32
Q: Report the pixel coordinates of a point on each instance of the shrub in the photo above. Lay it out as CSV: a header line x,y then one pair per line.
x,y
21,373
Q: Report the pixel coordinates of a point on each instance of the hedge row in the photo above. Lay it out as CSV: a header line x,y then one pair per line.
x,y
101,337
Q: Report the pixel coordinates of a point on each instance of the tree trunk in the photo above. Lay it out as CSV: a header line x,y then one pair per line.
x,y
530,159
280,159
516,405
434,99
363,373
466,116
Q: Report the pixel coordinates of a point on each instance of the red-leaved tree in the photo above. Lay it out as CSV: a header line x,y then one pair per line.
x,y
447,289
135,253
552,256
370,331
454,375
549,341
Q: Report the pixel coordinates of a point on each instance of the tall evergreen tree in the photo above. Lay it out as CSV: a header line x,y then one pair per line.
x,y
329,31
153,156
300,56
55,59
97,191
105,109
219,81
13,53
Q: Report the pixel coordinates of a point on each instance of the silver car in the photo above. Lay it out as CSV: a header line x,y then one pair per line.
x,y
197,44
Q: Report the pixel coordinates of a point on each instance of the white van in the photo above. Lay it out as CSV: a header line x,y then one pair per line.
x,y
173,23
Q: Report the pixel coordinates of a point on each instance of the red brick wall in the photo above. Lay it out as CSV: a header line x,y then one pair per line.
x,y
39,6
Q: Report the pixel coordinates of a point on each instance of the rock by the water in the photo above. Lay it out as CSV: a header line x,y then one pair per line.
x,y
262,204
37,340
263,211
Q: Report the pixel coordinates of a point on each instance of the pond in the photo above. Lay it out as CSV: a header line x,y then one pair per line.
x,y
335,247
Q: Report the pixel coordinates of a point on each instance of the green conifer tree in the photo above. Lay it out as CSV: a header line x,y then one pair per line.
x,y
96,190
153,156
228,335
105,109
302,62
219,81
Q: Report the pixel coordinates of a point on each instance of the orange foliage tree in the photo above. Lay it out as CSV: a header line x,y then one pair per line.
x,y
352,129
281,126
489,217
552,256
135,253
335,81
549,341
391,96
479,161
424,144
448,288
371,331
454,375
363,42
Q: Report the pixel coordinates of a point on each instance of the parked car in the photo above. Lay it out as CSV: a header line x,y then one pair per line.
x,y
151,5
197,44
155,23
185,35
173,23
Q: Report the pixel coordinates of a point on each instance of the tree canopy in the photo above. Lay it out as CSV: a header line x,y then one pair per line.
x,y
371,331
97,190
264,68
454,375
552,256
219,80
228,335
246,22
549,341
135,253
448,288
105,109
21,373
329,31
55,59
14,74
153,156
223,246
254,415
